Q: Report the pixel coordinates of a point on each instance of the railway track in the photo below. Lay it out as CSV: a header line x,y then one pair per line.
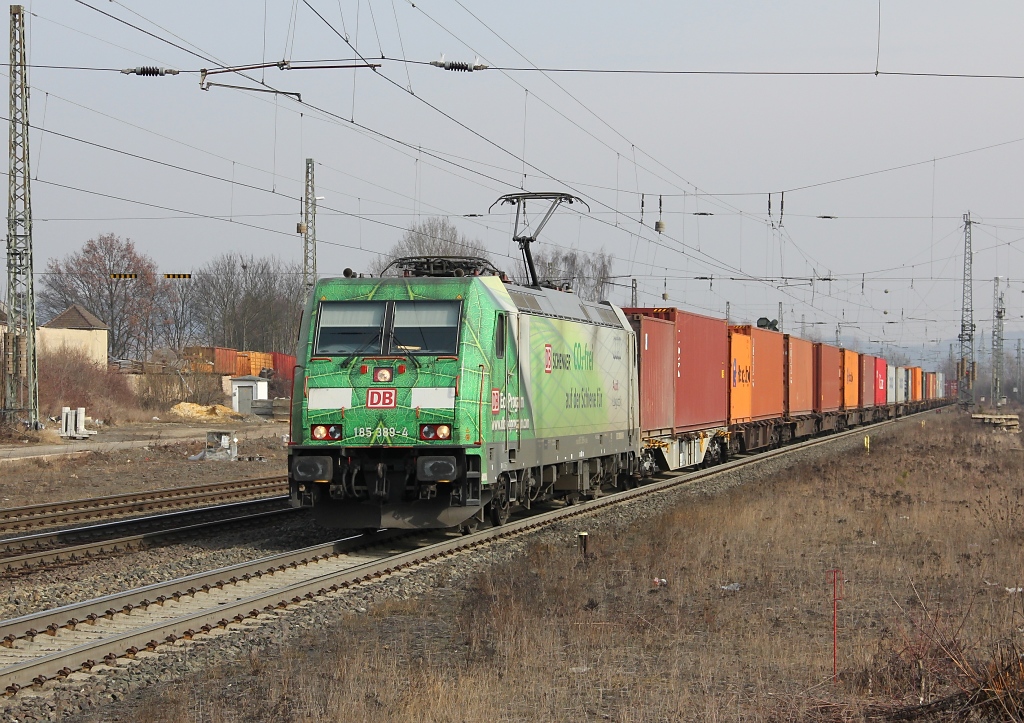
x,y
84,636
20,556
20,520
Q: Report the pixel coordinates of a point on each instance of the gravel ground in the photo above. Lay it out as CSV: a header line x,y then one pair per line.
x,y
52,588
135,690
158,466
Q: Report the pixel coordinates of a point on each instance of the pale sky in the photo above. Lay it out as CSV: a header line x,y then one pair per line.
x,y
702,143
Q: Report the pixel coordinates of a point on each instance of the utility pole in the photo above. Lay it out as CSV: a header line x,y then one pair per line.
x,y
838,337
632,298
966,367
1017,389
21,390
308,230
727,313
998,313
781,325
803,327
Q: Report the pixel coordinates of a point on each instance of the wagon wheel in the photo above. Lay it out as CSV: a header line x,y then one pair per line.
x,y
470,526
499,504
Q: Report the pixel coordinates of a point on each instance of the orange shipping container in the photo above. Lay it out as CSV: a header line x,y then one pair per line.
x,y
828,378
799,376
915,384
739,385
851,379
242,368
767,371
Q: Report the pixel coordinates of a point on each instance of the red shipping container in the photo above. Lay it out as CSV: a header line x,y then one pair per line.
x,y
799,376
224,360
699,375
702,375
284,365
656,340
767,371
828,378
866,381
881,375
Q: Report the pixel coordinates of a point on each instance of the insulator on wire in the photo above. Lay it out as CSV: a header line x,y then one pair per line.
x,y
458,65
149,70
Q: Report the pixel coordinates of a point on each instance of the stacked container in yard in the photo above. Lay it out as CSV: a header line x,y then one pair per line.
x,y
866,383
915,384
799,377
881,380
684,370
828,378
284,365
890,384
851,379
767,370
258,361
222,359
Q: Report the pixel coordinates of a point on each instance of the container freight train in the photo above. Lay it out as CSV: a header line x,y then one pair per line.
x,y
450,395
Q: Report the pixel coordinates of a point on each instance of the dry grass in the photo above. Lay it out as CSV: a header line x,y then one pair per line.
x,y
67,378
927,530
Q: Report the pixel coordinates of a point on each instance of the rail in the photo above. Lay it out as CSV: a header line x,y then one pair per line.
x,y
23,519
38,647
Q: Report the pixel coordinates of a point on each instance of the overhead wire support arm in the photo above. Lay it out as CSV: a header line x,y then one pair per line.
x,y
524,241
206,84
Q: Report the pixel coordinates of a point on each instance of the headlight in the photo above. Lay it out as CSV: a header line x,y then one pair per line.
x,y
383,374
321,432
435,431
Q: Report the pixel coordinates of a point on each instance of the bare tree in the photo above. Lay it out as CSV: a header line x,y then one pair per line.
x,y
126,306
244,302
433,236
589,275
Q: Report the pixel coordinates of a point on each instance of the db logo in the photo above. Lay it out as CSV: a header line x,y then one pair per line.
x,y
380,398
495,401
548,361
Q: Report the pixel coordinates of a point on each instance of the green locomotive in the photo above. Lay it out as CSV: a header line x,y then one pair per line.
x,y
447,394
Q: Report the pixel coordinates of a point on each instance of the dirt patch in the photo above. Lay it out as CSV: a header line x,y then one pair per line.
x,y
927,532
157,466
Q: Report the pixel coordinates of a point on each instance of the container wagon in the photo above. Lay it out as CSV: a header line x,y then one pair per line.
x,y
756,393
683,367
799,389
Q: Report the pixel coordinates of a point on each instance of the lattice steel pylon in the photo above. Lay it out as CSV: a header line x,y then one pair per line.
x,y
998,314
308,228
21,389
966,369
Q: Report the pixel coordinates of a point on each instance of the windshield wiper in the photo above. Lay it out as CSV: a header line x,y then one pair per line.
x,y
361,350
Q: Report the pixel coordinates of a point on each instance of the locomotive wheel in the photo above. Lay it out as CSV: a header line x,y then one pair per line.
x,y
499,504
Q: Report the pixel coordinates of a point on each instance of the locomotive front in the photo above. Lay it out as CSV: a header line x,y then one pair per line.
x,y
386,423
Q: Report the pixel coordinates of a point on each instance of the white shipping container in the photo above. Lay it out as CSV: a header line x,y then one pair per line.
x,y
902,379
890,385
940,385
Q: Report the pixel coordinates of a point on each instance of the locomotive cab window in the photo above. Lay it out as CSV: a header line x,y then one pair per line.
x,y
350,327
426,327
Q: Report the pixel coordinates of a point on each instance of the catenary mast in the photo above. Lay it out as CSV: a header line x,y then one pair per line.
x,y
20,368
